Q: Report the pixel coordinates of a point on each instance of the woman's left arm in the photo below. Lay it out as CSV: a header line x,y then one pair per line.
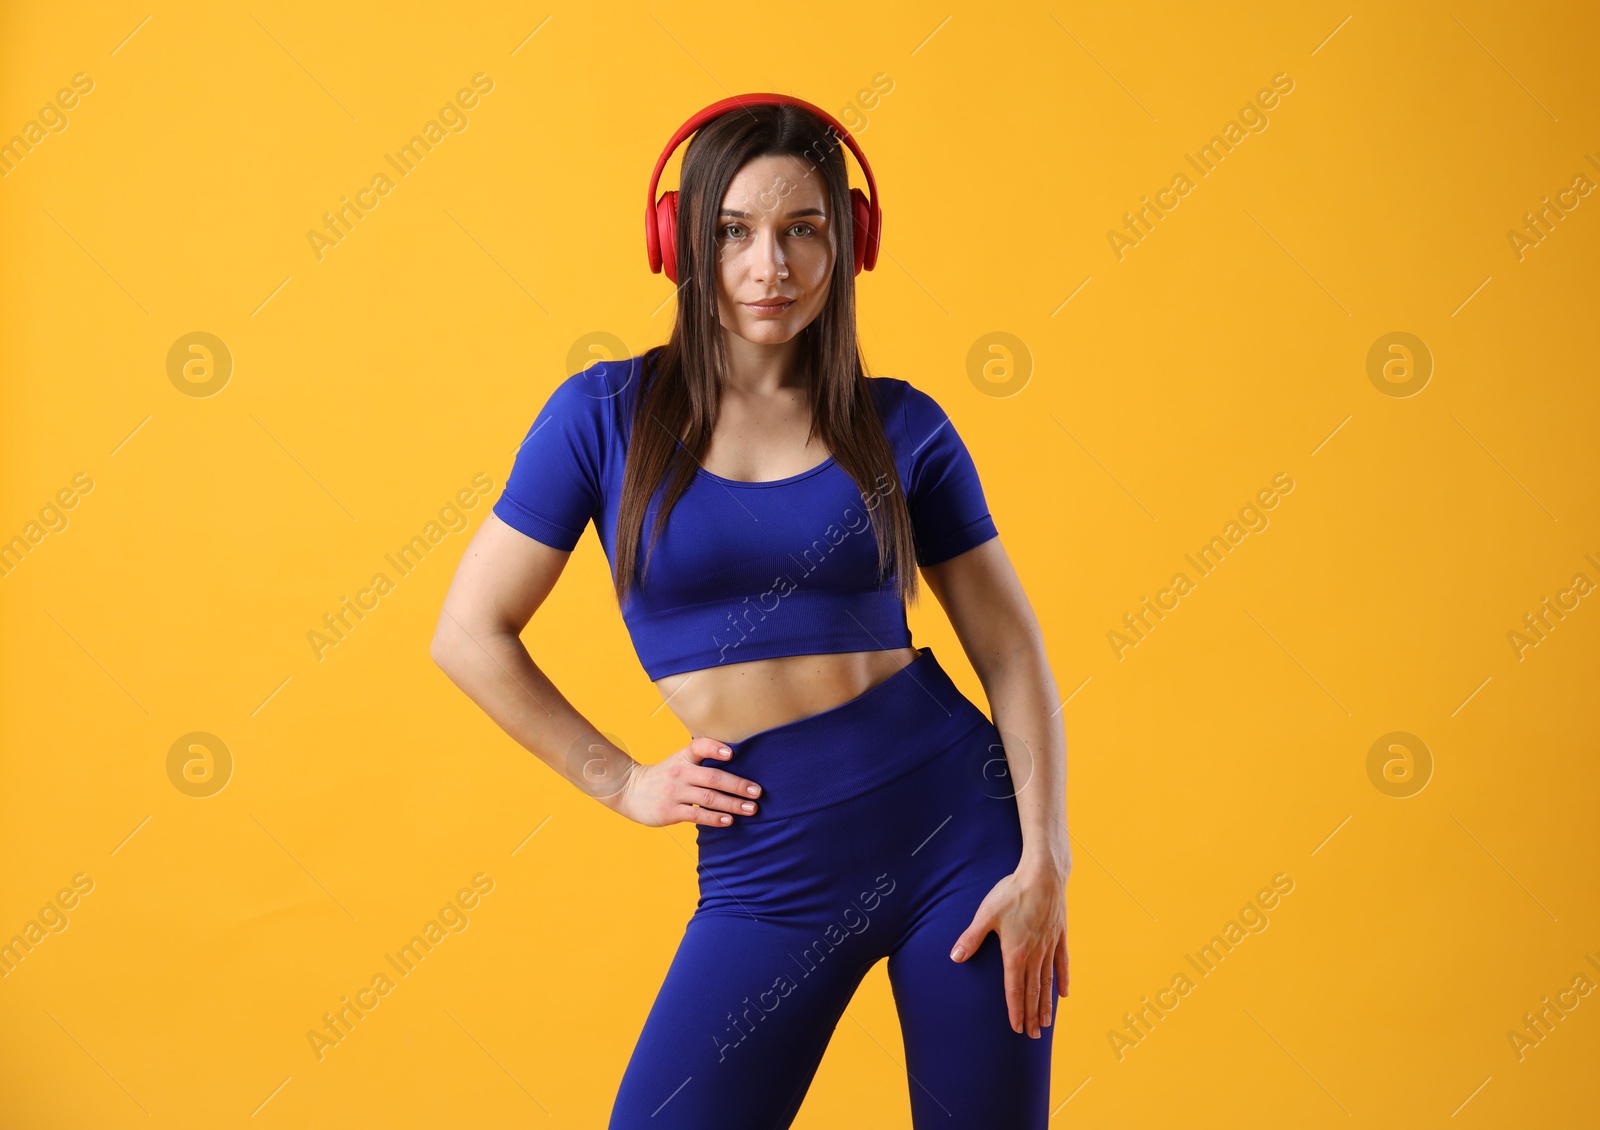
x,y
983,597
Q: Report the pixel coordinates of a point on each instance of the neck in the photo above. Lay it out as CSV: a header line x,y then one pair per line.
x,y
757,369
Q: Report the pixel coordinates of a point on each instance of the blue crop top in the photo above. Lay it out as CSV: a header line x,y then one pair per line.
x,y
746,570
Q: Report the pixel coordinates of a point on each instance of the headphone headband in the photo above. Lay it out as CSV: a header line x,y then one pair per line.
x,y
740,101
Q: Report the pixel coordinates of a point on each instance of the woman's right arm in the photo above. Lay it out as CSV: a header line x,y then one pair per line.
x,y
502,579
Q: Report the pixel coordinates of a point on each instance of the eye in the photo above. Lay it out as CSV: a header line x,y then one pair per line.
x,y
810,230
723,230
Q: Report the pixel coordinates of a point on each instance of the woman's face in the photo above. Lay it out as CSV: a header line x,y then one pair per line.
x,y
775,242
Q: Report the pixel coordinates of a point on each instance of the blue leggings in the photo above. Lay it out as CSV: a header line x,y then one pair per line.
x,y
883,822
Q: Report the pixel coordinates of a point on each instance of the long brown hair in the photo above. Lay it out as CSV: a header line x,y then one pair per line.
x,y
680,380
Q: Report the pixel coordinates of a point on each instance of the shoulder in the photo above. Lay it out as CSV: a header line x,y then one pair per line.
x,y
909,413
598,390
595,401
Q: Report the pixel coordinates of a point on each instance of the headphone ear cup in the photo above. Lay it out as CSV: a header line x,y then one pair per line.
x,y
652,241
862,214
667,233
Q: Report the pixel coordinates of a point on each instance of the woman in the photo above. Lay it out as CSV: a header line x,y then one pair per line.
x,y
756,495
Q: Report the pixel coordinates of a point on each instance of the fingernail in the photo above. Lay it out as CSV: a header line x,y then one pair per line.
x,y
725,751
748,807
958,953
753,790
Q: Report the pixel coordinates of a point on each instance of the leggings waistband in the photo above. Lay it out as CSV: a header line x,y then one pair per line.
x,y
886,731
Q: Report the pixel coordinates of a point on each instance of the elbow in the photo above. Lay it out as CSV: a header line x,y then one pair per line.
x,y
439,652
1018,649
442,649
455,643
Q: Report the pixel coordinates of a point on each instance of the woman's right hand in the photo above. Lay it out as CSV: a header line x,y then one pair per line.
x,y
680,788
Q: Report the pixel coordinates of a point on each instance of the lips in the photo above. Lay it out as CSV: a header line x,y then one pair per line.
x,y
770,307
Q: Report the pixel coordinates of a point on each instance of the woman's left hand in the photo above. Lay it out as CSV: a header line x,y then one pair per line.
x,y
1028,910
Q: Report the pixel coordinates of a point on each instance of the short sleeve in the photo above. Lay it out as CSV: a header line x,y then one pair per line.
x,y
555,486
949,514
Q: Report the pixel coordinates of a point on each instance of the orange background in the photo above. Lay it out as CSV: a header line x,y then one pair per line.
x,y
1246,335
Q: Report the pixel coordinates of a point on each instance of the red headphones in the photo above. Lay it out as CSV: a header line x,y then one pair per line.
x,y
661,216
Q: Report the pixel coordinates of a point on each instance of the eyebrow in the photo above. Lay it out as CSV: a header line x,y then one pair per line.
x,y
790,216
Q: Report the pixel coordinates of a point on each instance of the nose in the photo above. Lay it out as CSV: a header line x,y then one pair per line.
x,y
767,260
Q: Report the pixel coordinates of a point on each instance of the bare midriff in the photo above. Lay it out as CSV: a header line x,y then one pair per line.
x,y
736,700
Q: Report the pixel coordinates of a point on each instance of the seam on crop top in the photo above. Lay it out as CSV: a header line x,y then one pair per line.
x,y
783,482
823,466
905,430
624,437
852,594
814,647
520,509
955,535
